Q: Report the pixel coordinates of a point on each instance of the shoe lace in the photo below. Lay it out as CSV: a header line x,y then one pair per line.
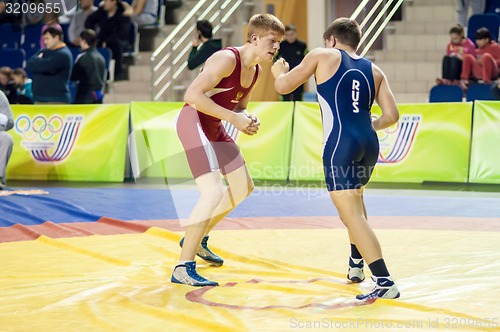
x,y
204,242
191,271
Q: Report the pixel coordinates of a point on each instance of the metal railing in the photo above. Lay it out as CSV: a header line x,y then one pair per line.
x,y
370,35
169,60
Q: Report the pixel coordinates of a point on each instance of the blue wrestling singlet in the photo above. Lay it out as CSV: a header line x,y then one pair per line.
x,y
350,143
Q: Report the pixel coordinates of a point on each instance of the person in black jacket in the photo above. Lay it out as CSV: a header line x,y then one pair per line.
x,y
200,54
51,69
89,70
293,51
112,25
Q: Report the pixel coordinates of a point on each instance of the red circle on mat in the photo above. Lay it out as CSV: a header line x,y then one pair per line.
x,y
197,296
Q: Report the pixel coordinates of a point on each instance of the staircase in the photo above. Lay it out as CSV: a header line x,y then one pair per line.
x,y
413,52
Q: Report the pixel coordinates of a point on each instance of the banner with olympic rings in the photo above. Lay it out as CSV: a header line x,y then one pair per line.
x,y
430,142
485,159
70,142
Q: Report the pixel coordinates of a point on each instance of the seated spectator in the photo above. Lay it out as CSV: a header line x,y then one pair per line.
x,y
145,12
23,85
452,61
77,24
203,35
89,70
7,85
51,20
6,142
478,7
485,65
112,21
51,70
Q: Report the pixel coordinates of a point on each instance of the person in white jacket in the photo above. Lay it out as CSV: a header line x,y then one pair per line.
x,y
6,142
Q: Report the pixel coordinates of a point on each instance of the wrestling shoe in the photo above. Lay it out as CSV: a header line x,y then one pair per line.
x,y
186,274
355,273
205,253
384,288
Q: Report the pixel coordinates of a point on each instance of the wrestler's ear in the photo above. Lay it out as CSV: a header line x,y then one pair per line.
x,y
253,39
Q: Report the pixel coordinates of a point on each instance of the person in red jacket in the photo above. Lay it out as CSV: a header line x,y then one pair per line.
x,y
485,65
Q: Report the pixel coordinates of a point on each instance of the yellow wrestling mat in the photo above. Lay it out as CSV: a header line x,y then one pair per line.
x,y
272,280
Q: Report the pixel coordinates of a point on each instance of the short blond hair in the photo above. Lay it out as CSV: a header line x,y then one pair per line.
x,y
262,24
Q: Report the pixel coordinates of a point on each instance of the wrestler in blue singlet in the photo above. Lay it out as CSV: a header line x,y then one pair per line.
x,y
350,142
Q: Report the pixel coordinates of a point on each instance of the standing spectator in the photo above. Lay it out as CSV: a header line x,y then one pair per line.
x,y
112,25
293,51
23,85
89,70
145,12
6,142
7,85
485,65
77,23
478,7
51,70
203,35
52,21
452,61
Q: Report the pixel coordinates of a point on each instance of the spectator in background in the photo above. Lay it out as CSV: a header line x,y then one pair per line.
x,y
452,61
5,16
478,7
6,142
7,85
203,35
23,85
484,66
51,70
89,70
51,20
35,16
145,12
112,24
293,51
77,23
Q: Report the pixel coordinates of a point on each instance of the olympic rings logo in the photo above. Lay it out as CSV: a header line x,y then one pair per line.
x,y
39,127
384,134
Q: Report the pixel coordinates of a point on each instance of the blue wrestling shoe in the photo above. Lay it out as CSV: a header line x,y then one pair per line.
x,y
186,274
385,288
205,253
355,273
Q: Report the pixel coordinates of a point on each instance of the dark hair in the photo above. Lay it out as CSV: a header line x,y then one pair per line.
x,y
54,32
7,71
290,27
89,36
457,29
483,33
205,28
19,71
345,30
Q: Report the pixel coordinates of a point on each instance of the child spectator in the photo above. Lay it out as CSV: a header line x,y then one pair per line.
x,y
7,85
23,84
485,65
452,61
